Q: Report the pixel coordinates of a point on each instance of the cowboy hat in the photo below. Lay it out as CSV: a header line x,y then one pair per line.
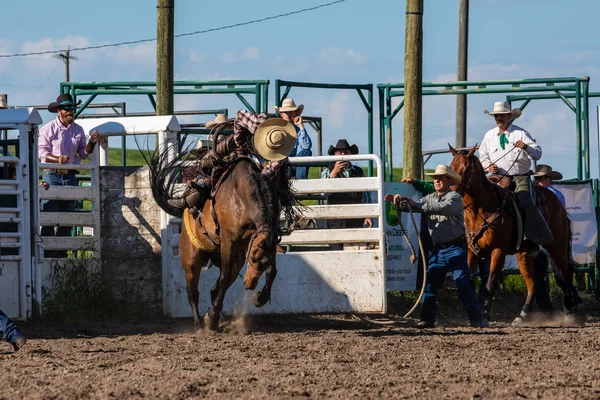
x,y
546,170
199,148
219,119
274,139
445,171
502,107
289,105
64,99
342,144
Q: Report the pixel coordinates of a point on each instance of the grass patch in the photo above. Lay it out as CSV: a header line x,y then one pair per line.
x,y
78,291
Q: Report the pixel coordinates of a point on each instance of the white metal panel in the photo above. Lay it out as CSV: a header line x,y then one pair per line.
x,y
82,167
15,270
68,242
67,193
324,236
20,116
10,287
304,186
312,282
340,211
68,218
130,125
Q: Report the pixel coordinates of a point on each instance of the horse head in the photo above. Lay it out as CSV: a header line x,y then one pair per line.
x,y
467,166
261,254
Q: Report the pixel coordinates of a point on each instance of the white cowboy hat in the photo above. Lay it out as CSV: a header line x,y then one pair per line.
x,y
219,119
502,107
289,105
546,170
199,148
275,139
444,170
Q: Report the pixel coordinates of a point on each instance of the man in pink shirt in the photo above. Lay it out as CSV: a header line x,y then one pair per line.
x,y
62,141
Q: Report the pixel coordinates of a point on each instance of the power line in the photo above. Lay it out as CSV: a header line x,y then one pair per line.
x,y
39,53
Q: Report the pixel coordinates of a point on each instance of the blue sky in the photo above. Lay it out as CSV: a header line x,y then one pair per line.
x,y
352,42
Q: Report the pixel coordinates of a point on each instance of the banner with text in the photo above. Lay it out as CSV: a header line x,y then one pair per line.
x,y
579,201
401,274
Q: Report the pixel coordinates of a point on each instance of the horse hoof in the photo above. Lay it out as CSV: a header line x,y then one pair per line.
x,y
518,322
210,322
199,324
259,300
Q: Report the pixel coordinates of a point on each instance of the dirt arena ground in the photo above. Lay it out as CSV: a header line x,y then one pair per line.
x,y
319,357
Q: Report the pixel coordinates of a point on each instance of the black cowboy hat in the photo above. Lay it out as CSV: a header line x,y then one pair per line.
x,y
342,144
64,99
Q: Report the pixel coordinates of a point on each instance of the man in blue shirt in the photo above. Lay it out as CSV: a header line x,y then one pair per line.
x,y
544,175
292,113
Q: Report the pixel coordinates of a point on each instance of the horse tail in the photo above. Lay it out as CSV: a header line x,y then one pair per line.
x,y
164,177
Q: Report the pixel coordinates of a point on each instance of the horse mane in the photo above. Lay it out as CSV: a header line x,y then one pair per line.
x,y
477,166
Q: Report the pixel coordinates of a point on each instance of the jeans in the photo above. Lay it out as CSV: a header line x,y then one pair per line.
x,y
10,332
453,258
302,171
54,179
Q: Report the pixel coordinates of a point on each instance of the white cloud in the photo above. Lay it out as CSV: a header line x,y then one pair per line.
x,y
251,53
248,54
195,57
286,67
333,55
140,54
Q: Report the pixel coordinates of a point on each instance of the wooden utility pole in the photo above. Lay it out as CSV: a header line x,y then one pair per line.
x,y
463,51
412,159
66,57
165,22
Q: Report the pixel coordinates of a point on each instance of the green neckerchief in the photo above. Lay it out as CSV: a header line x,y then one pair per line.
x,y
503,140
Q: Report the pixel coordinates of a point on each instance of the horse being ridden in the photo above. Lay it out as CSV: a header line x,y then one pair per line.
x,y
240,223
492,232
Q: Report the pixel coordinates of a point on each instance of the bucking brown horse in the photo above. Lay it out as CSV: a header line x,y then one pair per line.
x,y
239,225
492,233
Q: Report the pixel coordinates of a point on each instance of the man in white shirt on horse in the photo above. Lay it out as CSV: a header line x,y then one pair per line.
x,y
507,150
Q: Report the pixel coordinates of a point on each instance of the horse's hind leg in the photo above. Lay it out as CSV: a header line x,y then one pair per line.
x,y
526,269
542,289
496,266
192,262
564,279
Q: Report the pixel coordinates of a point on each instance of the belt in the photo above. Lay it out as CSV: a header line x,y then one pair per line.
x,y
63,171
454,242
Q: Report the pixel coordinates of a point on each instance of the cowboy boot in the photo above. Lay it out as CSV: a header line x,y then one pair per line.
x,y
535,228
188,200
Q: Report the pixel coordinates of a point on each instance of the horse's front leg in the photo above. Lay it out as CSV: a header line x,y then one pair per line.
x,y
264,295
231,263
526,269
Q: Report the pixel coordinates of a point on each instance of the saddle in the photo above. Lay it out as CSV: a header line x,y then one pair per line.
x,y
511,207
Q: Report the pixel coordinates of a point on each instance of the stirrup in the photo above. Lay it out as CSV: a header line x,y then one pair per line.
x,y
197,214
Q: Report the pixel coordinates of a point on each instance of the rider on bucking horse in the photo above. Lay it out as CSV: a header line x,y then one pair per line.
x,y
506,151
253,135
